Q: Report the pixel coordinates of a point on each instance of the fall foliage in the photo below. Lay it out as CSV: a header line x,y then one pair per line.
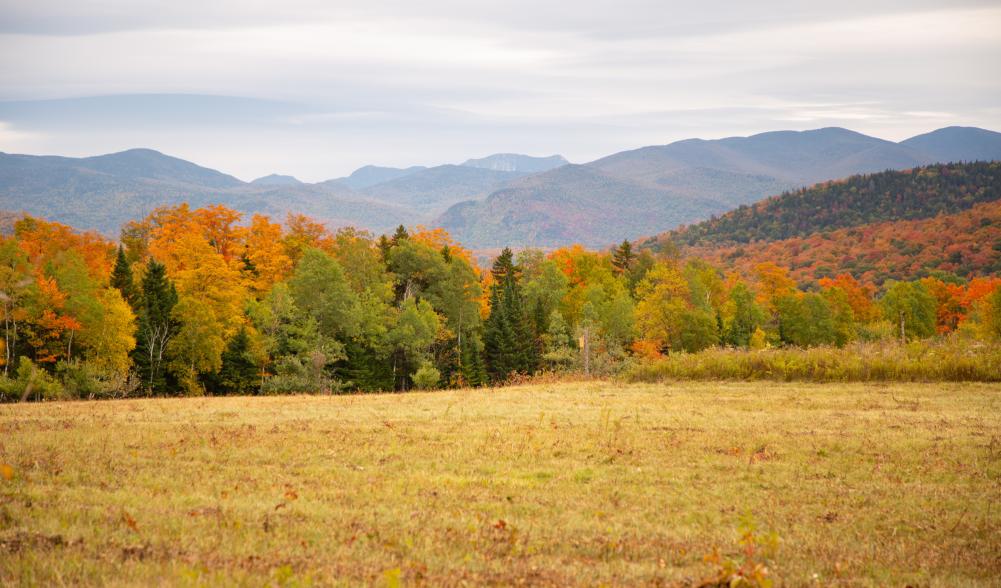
x,y
198,301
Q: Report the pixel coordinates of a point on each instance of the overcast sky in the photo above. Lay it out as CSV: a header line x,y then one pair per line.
x,y
318,88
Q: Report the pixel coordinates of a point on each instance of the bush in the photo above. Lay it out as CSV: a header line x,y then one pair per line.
x,y
30,383
942,360
426,377
293,377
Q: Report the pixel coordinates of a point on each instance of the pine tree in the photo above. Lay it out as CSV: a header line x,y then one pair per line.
x,y
156,329
509,338
384,245
401,234
121,278
623,257
471,363
365,368
498,339
239,373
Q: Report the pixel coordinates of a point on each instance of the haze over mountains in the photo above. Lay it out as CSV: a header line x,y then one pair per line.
x,y
502,199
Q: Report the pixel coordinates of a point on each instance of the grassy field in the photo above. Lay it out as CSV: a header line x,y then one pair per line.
x,y
592,483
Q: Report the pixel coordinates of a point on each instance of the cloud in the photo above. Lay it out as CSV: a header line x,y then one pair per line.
x,y
317,88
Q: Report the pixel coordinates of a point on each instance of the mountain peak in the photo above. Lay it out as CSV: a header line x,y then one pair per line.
x,y
370,175
516,162
958,144
276,180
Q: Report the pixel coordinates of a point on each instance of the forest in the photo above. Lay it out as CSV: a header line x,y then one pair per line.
x,y
203,301
913,194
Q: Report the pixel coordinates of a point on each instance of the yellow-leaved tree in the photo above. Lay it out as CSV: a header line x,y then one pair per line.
x,y
663,298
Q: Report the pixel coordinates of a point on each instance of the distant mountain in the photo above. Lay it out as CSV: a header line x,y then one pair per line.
x,y
134,164
371,175
799,158
433,190
105,191
889,225
958,144
513,162
276,180
503,199
684,182
569,204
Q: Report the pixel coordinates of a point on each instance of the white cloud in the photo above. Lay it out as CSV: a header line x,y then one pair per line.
x,y
398,82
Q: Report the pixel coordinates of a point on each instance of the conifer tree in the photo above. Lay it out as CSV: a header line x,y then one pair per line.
x,y
384,245
509,339
623,257
239,373
121,278
471,362
156,328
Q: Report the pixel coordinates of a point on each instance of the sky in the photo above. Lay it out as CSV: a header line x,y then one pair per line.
x,y
317,88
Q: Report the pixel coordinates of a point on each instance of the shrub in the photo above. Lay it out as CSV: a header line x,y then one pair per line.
x,y
950,359
292,376
29,383
426,377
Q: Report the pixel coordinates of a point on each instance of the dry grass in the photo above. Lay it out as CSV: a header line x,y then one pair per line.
x,y
587,483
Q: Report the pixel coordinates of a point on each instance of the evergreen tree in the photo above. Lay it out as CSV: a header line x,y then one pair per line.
x,y
365,368
121,278
498,339
384,245
509,339
471,362
240,373
623,257
401,234
157,328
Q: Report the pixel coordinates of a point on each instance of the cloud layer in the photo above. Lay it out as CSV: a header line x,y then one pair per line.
x,y
316,89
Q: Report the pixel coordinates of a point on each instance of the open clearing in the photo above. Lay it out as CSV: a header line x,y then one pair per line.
x,y
593,483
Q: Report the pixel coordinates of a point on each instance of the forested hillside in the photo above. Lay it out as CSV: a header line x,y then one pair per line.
x,y
918,193
965,244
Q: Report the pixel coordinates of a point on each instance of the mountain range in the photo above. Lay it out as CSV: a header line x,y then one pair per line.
x,y
502,199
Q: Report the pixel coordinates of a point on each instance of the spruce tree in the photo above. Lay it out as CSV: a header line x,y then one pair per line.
x,y
384,246
156,328
471,362
509,337
623,257
498,339
121,278
239,373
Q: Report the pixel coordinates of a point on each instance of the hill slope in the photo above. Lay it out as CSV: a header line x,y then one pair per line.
x,y
371,175
569,204
103,192
688,180
888,196
890,225
433,190
966,243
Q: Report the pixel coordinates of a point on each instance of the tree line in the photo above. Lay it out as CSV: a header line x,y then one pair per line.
x,y
194,301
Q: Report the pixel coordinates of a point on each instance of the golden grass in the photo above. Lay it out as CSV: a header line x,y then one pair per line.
x,y
585,483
